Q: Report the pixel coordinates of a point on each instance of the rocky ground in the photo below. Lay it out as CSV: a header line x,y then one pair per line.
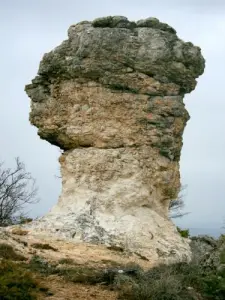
x,y
48,251
24,242
34,266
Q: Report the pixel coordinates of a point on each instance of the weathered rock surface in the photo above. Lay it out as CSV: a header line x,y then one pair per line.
x,y
111,96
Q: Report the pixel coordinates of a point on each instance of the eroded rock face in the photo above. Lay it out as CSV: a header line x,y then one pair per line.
x,y
111,96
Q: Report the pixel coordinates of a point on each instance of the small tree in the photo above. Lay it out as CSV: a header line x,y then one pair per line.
x,y
17,190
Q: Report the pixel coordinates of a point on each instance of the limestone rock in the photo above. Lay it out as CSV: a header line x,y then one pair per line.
x,y
111,96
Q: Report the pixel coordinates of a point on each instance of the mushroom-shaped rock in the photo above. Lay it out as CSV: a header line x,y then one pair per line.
x,y
111,96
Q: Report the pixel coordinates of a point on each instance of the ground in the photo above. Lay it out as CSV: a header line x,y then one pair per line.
x,y
63,290
30,244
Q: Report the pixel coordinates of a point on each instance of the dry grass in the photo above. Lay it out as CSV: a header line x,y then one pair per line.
x,y
7,252
66,261
84,271
19,231
64,290
43,246
16,283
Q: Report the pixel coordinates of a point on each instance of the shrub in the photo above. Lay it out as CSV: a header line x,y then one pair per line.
x,y
167,288
17,283
66,261
213,287
85,275
179,281
122,282
7,252
43,246
25,220
92,275
183,232
40,265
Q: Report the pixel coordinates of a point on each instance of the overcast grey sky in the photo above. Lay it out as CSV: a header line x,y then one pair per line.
x,y
31,28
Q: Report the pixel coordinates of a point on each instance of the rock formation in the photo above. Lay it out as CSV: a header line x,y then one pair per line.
x,y
111,96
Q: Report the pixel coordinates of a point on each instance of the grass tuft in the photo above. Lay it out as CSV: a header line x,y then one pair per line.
x,y
43,246
7,252
16,283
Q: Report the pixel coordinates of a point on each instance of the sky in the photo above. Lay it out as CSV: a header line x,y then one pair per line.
x,y
29,29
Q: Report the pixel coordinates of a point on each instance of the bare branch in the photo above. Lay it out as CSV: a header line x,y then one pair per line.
x,y
177,205
17,189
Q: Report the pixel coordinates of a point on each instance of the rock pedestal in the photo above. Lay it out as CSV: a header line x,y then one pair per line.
x,y
111,96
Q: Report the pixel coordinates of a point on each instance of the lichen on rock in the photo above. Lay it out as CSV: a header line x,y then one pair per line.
x,y
111,96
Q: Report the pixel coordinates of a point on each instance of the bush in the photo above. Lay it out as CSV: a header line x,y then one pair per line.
x,y
179,281
24,220
7,252
183,232
85,275
40,265
17,283
167,288
159,283
66,261
43,246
